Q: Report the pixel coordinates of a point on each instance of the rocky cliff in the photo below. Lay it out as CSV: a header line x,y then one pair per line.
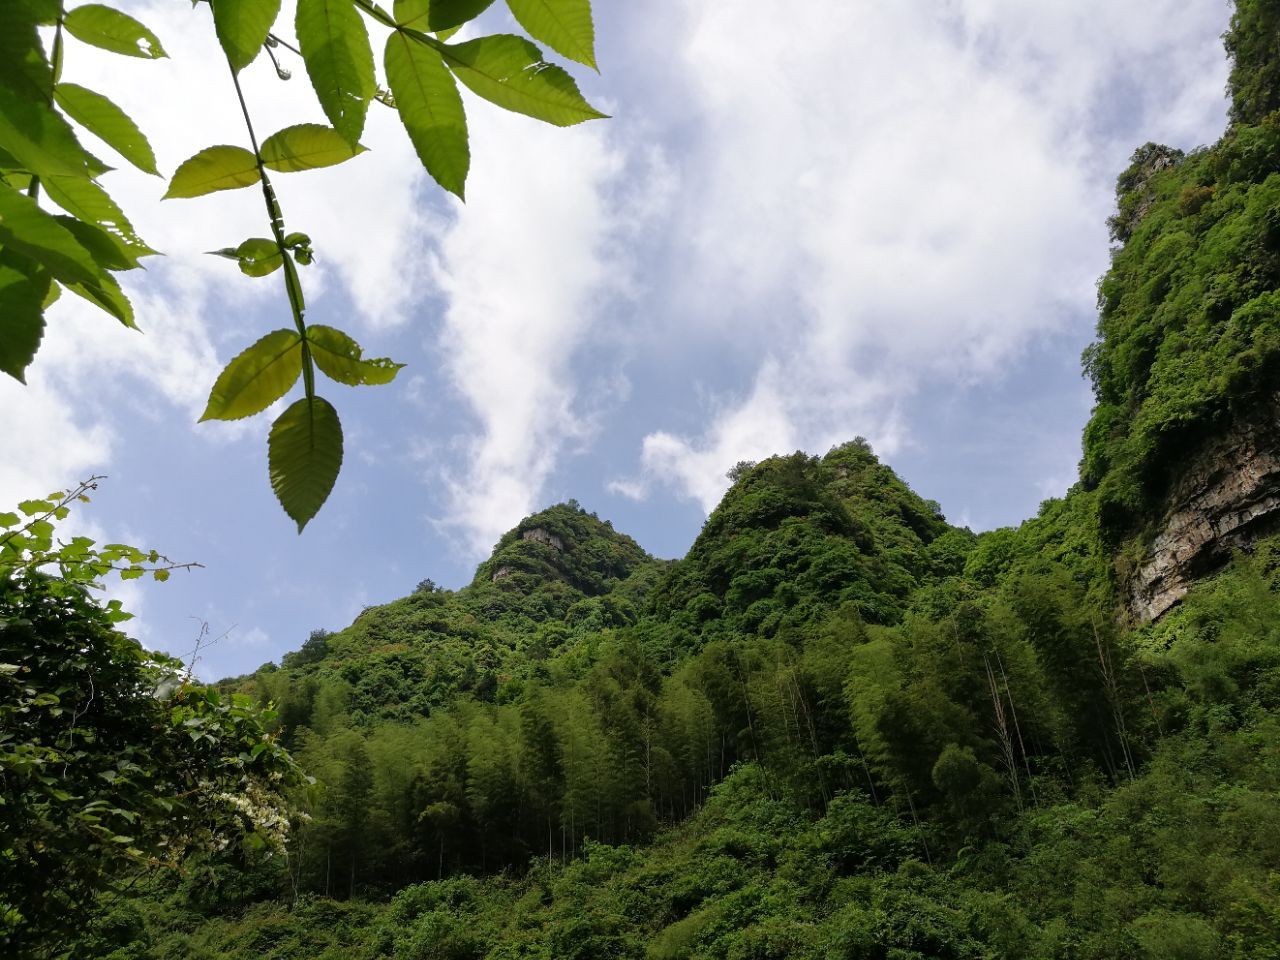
x,y
1227,496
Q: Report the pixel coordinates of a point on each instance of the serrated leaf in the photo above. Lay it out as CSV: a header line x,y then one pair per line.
x,y
256,378
340,358
431,110
88,202
33,508
21,319
307,146
112,30
160,576
509,71
132,573
105,292
108,122
563,25
433,16
242,27
339,61
214,168
106,250
304,455
37,234
41,140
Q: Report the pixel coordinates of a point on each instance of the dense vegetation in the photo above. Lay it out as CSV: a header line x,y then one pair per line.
x,y
994,770
1189,326
839,727
111,760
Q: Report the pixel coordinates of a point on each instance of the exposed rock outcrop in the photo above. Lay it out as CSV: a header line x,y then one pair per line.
x,y
1227,497
542,536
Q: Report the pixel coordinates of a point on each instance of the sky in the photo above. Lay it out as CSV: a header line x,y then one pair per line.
x,y
865,219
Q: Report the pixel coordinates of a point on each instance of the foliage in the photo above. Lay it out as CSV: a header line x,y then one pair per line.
x,y
839,727
1187,336
82,249
111,760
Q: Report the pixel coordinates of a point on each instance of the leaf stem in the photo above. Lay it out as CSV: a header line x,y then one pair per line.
x,y
375,11
33,188
293,285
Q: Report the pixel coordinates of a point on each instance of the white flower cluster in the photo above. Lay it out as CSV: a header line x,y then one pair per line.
x,y
262,811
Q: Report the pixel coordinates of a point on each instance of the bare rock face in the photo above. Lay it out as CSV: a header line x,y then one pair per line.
x,y
1227,497
542,536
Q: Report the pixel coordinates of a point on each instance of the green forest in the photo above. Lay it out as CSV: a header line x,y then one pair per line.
x,y
838,727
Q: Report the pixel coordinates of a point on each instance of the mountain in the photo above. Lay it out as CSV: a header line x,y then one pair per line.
x,y
839,726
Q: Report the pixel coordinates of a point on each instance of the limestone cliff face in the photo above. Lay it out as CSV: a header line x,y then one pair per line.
x,y
1226,498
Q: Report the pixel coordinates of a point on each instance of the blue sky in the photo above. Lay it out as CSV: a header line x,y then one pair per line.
x,y
871,219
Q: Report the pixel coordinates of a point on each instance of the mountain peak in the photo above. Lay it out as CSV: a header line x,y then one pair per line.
x,y
564,543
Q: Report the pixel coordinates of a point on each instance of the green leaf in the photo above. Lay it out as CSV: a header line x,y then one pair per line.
x,y
34,508
24,67
41,140
21,319
432,16
37,234
304,455
242,27
509,71
339,61
88,202
307,146
431,110
257,256
45,11
105,292
108,122
257,378
214,168
340,358
112,30
563,25
105,249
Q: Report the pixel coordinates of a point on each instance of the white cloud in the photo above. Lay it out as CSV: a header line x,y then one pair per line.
x,y
527,267
884,195
197,311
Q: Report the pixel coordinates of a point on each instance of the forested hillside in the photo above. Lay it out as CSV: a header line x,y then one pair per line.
x,y
839,727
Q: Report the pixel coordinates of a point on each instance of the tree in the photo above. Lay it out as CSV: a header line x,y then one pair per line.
x,y
82,249
111,760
